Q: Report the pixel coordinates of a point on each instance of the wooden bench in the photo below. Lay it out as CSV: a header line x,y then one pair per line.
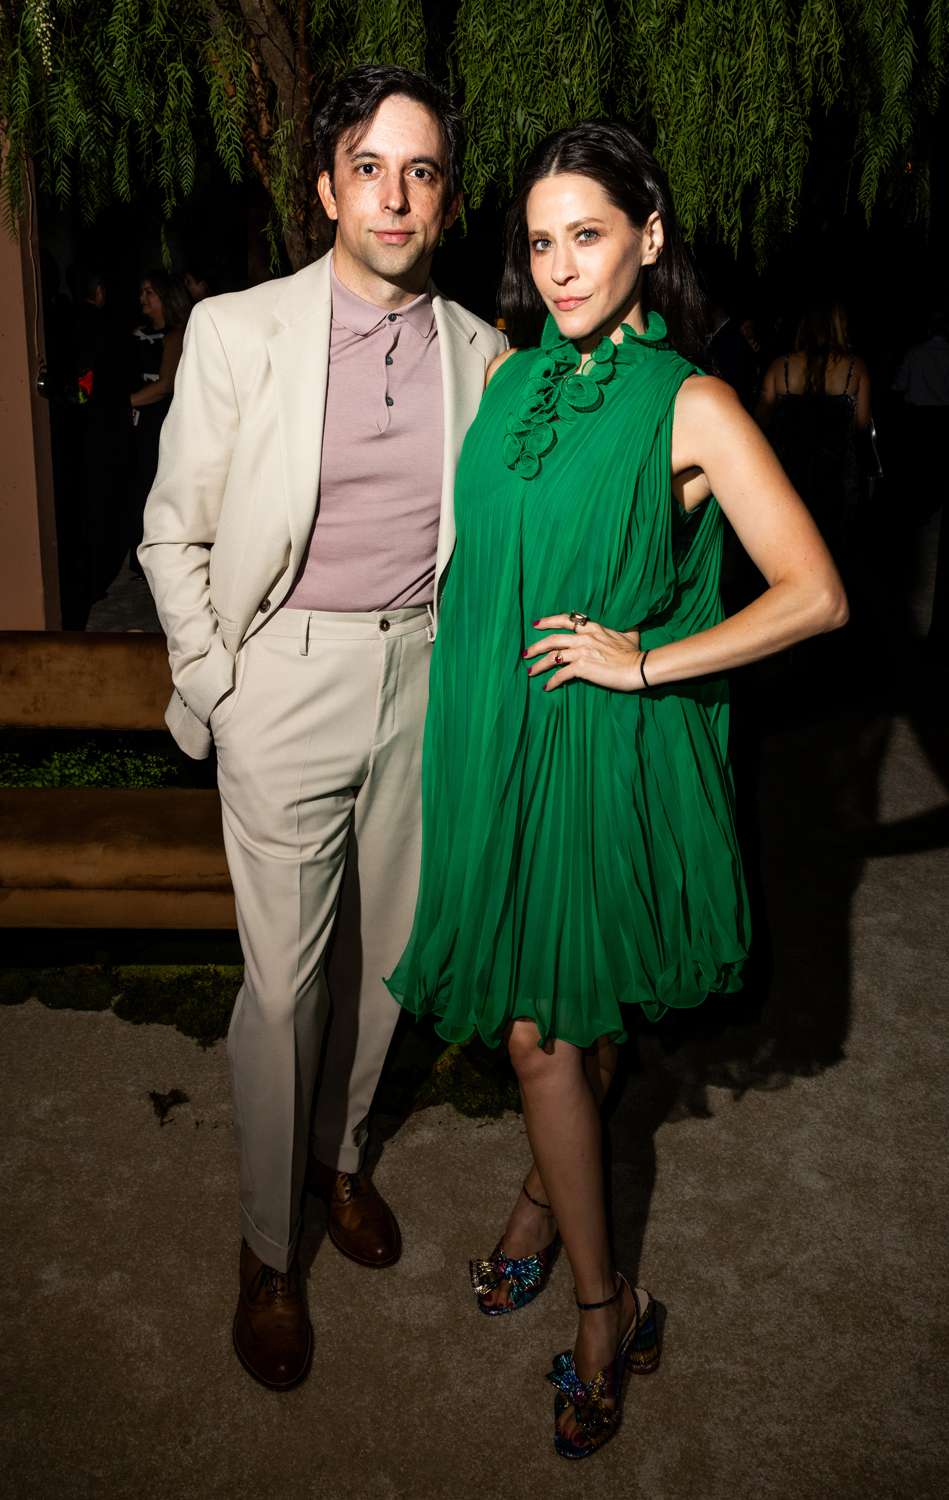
x,y
94,857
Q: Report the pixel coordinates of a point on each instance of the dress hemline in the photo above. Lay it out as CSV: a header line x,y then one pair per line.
x,y
728,982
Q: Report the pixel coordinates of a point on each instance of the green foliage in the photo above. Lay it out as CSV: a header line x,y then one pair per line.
x,y
476,1081
121,765
197,999
526,67
388,31
110,96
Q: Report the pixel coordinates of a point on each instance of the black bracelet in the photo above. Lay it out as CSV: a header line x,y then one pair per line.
x,y
642,664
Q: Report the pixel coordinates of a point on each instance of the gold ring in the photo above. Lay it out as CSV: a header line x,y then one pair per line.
x,y
578,618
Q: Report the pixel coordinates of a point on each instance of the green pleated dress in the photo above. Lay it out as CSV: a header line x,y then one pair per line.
x,y
578,847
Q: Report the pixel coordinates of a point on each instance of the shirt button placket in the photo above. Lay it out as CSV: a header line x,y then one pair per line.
x,y
389,399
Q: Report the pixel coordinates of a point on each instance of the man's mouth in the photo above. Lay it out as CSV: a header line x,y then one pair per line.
x,y
393,236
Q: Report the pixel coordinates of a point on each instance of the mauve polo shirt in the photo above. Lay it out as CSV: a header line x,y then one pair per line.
x,y
376,530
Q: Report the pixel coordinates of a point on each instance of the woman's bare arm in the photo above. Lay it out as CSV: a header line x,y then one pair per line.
x,y
496,364
718,449
863,415
157,390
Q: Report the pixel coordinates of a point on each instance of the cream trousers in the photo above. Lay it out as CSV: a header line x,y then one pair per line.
x,y
319,751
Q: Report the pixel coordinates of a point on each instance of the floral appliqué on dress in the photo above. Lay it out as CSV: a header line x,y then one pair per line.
x,y
556,390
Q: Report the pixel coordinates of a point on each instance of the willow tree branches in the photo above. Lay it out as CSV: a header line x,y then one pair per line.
x,y
110,97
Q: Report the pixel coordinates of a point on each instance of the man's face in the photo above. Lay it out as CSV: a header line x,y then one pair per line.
x,y
387,196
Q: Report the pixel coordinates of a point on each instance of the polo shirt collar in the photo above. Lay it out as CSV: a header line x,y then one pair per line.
x,y
362,317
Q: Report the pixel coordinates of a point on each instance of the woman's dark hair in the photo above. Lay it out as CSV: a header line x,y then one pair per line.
x,y
821,336
353,100
610,154
172,294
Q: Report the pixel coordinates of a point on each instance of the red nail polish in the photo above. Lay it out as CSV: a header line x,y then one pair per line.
x,y
523,653
535,622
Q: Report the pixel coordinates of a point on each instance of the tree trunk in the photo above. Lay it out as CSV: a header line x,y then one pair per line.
x,y
283,93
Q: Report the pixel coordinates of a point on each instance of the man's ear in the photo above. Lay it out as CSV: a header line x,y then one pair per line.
x,y
454,209
324,186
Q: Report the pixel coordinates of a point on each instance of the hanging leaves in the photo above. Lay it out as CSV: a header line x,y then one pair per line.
x,y
112,96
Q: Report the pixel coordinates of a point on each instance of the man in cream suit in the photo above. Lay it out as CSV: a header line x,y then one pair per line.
x,y
295,539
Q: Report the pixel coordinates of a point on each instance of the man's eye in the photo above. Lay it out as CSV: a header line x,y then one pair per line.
x,y
422,173
365,167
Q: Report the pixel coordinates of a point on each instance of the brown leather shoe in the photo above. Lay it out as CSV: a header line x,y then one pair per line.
x,y
361,1223
272,1332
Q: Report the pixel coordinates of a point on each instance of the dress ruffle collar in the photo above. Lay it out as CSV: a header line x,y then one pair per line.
x,y
556,390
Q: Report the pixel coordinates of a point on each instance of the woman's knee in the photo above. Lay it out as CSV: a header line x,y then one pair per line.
x,y
532,1061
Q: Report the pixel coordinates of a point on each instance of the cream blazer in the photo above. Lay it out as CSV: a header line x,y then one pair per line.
x,y
230,513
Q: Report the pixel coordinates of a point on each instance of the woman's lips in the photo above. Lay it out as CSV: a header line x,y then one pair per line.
x,y
566,304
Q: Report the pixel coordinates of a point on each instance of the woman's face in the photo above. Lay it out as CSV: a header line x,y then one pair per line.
x,y
150,303
586,256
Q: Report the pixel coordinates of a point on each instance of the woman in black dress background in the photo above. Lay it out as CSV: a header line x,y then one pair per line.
x,y
158,340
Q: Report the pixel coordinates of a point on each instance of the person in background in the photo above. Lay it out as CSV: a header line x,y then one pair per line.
x,y
200,280
922,380
158,341
815,407
734,354
100,392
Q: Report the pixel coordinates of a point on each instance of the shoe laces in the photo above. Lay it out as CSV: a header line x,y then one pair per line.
x,y
275,1283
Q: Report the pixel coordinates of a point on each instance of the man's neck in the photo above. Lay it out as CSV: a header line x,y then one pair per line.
x,y
372,287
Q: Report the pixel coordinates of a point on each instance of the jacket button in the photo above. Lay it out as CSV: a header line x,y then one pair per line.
x,y
264,606
385,624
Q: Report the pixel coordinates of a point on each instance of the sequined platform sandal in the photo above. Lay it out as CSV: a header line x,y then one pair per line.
x,y
597,1419
526,1277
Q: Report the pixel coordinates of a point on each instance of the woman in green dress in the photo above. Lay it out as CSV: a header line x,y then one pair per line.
x,y
579,849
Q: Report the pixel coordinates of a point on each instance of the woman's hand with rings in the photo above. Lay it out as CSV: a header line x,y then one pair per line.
x,y
590,653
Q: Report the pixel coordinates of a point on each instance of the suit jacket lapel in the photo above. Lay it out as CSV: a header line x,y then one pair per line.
x,y
463,367
299,358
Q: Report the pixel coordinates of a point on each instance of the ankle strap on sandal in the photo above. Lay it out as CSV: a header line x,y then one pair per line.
x,y
536,1201
595,1306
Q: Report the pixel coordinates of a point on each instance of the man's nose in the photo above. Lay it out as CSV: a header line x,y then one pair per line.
x,y
395,199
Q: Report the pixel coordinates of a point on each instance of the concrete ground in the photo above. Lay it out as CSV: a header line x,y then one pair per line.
x,y
779,1182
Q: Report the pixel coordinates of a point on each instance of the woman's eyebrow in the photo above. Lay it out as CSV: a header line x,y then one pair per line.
x,y
574,224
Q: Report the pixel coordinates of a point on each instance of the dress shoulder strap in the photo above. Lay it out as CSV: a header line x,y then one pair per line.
x,y
787,384
849,373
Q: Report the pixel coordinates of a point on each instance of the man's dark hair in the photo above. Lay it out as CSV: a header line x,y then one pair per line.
x,y
353,100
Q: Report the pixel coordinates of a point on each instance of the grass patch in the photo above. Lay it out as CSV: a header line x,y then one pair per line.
x,y
197,999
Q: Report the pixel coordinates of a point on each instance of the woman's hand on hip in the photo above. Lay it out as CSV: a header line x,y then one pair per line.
x,y
585,651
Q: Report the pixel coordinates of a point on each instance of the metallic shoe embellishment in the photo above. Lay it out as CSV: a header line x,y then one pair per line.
x,y
598,1403
527,1277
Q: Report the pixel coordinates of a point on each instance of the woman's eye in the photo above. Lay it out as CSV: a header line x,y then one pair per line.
x,y
588,235
540,245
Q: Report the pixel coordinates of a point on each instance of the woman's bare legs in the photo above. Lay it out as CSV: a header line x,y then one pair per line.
x,y
562,1116
530,1228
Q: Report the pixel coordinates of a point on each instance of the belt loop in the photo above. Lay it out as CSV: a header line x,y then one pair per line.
x,y
430,632
305,634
